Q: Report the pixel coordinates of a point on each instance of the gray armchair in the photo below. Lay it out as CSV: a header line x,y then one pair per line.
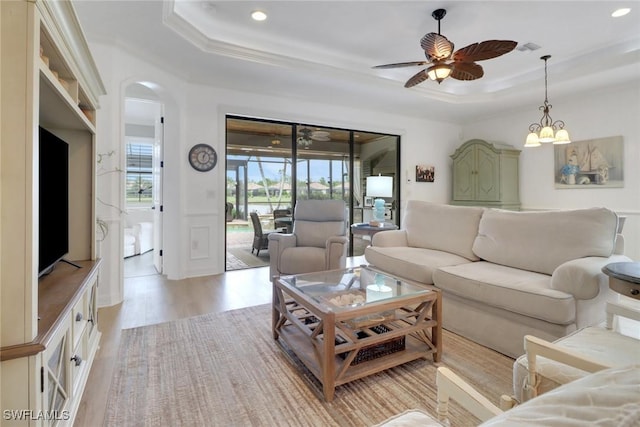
x,y
318,241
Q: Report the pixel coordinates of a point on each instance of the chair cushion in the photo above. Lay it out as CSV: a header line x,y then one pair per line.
x,y
598,343
320,210
518,291
442,227
541,241
411,418
608,398
301,259
312,233
317,220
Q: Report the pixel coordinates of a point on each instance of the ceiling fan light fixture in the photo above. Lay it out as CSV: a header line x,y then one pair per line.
x,y
439,72
461,64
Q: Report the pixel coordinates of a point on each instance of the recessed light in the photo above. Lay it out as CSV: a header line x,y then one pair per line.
x,y
258,15
620,12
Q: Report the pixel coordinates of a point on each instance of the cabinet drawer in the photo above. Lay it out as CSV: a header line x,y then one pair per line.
x,y
625,288
78,364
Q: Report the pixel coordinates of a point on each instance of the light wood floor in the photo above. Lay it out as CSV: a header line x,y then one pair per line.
x,y
150,299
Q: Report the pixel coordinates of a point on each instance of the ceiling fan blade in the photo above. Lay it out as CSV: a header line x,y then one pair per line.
x,y
485,50
402,64
466,71
417,79
436,46
320,135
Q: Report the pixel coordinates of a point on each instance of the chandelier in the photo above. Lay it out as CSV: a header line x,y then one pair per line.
x,y
547,130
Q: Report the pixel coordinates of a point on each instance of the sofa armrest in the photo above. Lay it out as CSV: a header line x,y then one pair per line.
x,y
583,277
390,238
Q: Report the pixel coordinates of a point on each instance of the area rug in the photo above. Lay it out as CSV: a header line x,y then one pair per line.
x,y
225,369
250,259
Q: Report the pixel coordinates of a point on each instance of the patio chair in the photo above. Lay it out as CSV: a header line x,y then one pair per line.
x,y
260,237
228,210
318,240
280,213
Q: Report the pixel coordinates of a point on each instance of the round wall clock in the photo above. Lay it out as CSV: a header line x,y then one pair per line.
x,y
203,157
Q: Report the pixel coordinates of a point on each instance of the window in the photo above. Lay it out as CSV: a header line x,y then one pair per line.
x,y
139,181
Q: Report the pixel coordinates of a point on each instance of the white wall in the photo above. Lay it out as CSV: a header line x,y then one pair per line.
x,y
592,115
194,201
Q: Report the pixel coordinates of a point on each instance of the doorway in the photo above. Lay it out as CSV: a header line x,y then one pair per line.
x,y
143,143
270,164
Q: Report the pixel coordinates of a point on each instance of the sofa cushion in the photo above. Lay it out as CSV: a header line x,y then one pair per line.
x,y
442,227
415,264
522,292
541,241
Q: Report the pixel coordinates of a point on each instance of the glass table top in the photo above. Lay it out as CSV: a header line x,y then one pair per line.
x,y
339,290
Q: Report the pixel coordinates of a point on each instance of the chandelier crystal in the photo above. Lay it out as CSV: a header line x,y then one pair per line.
x,y
546,130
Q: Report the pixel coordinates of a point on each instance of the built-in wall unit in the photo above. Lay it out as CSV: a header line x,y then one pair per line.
x,y
270,164
49,271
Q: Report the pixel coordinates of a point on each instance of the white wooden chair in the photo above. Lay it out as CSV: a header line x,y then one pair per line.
x,y
546,365
581,402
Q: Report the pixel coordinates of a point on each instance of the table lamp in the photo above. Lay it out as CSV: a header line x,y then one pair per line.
x,y
379,186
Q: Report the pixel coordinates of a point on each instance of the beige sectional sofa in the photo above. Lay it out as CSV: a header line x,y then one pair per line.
x,y
506,274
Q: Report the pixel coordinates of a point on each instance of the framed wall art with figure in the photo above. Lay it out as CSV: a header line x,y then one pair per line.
x,y
425,173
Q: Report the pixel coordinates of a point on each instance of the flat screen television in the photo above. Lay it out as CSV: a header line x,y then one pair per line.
x,y
53,212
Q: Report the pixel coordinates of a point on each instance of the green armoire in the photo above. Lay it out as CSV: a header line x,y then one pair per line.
x,y
486,174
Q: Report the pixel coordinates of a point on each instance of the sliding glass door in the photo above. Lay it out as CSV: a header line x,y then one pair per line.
x,y
271,164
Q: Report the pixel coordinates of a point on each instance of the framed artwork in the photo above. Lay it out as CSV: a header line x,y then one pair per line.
x,y
592,163
368,201
425,173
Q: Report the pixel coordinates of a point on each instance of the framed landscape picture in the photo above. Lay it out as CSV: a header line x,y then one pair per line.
x,y
592,163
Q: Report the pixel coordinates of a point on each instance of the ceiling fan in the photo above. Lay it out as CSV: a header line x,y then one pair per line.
x,y
307,136
445,63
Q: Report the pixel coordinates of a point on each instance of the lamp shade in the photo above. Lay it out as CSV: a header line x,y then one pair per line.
x,y
562,137
546,134
532,140
380,186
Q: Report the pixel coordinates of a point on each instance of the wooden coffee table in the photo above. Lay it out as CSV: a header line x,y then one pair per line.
x,y
347,324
